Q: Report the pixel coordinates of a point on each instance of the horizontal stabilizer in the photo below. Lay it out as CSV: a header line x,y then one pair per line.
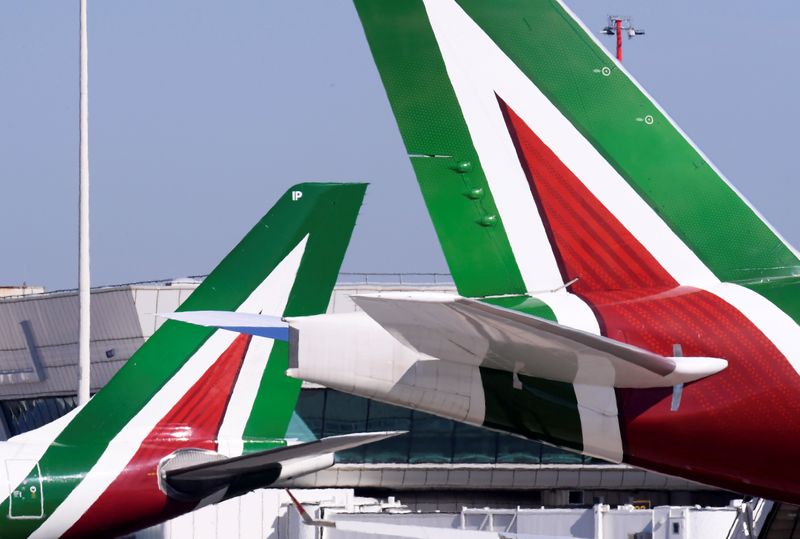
x,y
271,327
237,475
463,330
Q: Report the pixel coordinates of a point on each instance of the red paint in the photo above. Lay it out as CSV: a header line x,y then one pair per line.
x,y
618,26
592,245
732,428
133,500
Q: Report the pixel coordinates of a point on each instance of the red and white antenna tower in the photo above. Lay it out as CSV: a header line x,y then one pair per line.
x,y
618,25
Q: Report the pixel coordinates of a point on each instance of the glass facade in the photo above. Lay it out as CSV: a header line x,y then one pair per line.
x,y
28,414
326,412
430,440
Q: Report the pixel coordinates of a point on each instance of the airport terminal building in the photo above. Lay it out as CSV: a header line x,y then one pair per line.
x,y
439,466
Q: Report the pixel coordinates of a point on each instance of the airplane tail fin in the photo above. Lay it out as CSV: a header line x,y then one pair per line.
x,y
192,395
542,161
214,384
285,266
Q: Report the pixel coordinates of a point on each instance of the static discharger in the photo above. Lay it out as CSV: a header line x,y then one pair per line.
x,y
677,390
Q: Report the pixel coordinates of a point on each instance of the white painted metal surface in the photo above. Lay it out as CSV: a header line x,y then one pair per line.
x,y
402,376
84,339
462,330
267,513
519,477
22,290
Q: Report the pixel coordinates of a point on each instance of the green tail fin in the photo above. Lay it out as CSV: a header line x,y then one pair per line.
x,y
458,71
181,387
320,215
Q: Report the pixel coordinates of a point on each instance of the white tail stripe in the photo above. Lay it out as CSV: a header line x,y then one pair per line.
x,y
778,327
570,310
512,196
123,447
490,71
244,396
597,405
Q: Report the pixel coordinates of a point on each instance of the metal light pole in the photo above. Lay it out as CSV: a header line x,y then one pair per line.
x,y
84,366
618,25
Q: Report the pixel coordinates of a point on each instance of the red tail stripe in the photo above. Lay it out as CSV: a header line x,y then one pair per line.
x,y
724,419
617,238
571,210
595,239
598,265
194,421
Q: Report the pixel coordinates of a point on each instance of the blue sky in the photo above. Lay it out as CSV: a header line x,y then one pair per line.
x,y
202,113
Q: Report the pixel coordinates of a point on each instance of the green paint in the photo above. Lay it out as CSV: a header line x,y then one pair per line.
x,y
551,48
275,400
541,410
431,123
326,213
311,292
459,199
26,499
617,118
